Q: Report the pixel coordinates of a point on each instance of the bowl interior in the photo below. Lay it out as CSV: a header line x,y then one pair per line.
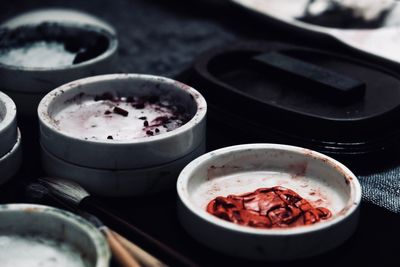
x,y
52,45
83,92
56,228
242,169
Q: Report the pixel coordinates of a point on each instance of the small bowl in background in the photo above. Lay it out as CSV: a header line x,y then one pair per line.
x,y
49,24
25,229
240,169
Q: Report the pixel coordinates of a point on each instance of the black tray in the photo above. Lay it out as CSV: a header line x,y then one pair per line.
x,y
260,104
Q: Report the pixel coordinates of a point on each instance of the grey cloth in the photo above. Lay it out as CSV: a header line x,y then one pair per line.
x,y
156,39
383,188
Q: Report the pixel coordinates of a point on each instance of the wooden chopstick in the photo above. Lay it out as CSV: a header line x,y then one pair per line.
x,y
143,257
120,252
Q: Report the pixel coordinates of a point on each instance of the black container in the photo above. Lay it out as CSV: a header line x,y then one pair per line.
x,y
346,107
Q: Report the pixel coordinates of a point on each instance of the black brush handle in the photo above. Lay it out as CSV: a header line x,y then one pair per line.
x,y
147,242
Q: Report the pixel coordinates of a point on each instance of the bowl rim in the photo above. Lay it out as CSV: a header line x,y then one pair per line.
x,y
185,176
98,240
16,146
47,120
110,51
11,112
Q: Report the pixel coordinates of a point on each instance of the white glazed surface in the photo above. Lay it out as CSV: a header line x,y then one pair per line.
x,y
60,228
92,119
33,251
241,169
11,161
8,124
120,183
123,154
36,82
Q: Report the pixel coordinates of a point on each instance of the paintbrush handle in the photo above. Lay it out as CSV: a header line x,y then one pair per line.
x,y
142,256
120,253
149,243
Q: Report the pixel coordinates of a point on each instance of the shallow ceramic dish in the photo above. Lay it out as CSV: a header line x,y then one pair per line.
x,y
129,153
381,40
11,161
8,124
244,168
34,82
120,183
52,230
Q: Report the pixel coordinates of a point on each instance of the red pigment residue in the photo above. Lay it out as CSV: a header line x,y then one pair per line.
x,y
275,207
298,169
217,171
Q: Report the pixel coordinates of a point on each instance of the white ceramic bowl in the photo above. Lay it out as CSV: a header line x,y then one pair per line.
x,y
34,82
8,124
28,220
120,183
11,161
244,168
132,153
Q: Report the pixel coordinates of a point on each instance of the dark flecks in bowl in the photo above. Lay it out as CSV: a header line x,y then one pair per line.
x,y
124,117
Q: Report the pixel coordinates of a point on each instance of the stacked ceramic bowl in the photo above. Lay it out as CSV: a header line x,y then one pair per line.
x,y
47,48
121,134
10,139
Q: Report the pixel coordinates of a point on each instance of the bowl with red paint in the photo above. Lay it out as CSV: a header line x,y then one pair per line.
x,y
268,201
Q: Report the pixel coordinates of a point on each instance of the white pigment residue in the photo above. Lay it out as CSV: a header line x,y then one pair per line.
x,y
88,120
29,251
39,54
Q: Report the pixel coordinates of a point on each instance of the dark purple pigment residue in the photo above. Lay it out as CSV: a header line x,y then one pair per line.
x,y
113,117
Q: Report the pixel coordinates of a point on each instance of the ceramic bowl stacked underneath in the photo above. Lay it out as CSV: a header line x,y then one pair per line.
x,y
10,139
47,48
97,149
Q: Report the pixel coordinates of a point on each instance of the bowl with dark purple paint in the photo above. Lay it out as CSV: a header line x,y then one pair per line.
x,y
121,125
122,121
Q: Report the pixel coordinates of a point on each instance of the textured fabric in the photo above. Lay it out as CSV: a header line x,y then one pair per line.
x,y
383,189
156,38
